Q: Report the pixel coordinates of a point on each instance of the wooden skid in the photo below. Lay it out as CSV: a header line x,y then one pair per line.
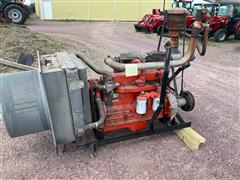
x,y
191,138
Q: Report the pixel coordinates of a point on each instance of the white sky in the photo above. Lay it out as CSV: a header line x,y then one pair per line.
x,y
28,2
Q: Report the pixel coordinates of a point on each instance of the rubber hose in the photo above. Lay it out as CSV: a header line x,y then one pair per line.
x,y
101,119
94,68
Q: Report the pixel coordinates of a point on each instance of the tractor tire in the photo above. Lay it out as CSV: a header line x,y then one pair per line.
x,y
16,13
220,35
237,34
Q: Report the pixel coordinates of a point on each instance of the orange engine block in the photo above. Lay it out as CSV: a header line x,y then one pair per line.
x,y
134,101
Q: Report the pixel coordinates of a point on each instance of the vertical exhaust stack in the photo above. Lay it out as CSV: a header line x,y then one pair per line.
x,y
176,24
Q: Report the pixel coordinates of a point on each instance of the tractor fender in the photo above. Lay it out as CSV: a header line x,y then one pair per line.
x,y
218,25
236,26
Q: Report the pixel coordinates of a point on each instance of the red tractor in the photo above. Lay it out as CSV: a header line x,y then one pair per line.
x,y
150,22
226,22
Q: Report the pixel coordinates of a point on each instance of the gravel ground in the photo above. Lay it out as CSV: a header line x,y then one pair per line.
x,y
213,79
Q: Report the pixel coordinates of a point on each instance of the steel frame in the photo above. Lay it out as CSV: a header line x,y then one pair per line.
x,y
177,123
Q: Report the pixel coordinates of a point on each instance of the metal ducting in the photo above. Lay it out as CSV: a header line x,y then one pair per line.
x,y
24,109
55,98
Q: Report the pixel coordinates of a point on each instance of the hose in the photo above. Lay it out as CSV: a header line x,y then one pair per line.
x,y
202,51
101,119
94,68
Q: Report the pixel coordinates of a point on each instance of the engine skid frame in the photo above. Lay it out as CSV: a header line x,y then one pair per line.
x,y
162,127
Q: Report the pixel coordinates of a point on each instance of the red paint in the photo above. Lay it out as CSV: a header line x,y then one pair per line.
x,y
151,22
236,26
122,113
217,22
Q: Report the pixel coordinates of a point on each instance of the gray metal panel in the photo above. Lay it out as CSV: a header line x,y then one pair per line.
x,y
74,90
58,100
85,93
35,101
22,103
75,93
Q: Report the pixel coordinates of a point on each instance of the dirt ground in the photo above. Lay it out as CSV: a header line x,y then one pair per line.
x,y
213,79
17,39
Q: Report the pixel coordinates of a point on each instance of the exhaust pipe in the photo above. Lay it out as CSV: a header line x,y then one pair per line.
x,y
156,65
175,63
94,67
202,51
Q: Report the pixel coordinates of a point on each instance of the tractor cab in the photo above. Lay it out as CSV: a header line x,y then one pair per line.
x,y
187,4
210,7
224,23
230,12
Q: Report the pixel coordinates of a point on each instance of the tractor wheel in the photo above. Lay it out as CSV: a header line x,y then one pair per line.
x,y
220,35
237,34
16,13
190,101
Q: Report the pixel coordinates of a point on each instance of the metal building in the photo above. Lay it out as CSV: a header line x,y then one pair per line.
x,y
120,10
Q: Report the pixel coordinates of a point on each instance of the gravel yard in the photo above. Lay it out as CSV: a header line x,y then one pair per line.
x,y
214,80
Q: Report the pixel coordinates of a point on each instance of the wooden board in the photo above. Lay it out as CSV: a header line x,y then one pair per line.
x,y
191,138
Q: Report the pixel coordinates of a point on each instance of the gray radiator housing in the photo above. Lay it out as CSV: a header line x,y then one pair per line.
x,y
54,98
